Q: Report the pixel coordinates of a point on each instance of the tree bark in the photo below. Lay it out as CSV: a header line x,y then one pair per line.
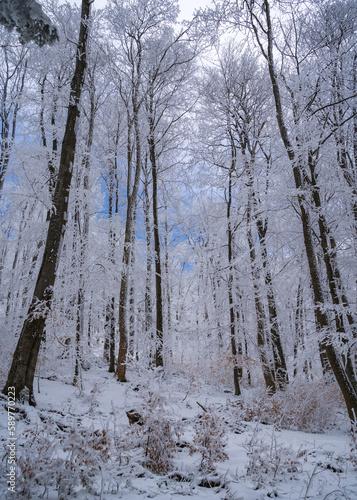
x,y
281,372
259,309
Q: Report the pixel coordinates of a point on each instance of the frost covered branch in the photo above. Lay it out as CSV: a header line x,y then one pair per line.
x,y
29,20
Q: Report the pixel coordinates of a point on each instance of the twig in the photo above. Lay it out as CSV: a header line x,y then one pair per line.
x,y
310,481
335,491
203,408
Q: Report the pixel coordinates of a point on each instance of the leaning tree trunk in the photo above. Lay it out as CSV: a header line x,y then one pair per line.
x,y
24,362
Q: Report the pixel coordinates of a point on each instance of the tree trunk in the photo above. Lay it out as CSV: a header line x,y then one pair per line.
x,y
281,372
215,286
77,379
51,156
232,318
124,292
167,281
158,276
132,331
113,207
149,260
129,228
268,372
82,236
24,362
259,309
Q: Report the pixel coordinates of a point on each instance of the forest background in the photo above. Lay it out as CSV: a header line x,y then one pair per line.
x,y
201,195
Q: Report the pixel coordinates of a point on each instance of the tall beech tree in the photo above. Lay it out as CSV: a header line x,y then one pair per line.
x,y
22,371
138,25
236,93
130,21
169,70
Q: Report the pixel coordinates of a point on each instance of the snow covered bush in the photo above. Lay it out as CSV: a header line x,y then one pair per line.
x,y
159,438
37,460
156,434
210,439
310,406
269,461
62,460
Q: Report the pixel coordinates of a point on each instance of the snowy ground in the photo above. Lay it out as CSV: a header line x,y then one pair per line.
x,y
79,445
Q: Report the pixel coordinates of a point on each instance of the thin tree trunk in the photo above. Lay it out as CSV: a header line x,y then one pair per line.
x,y
129,228
77,380
132,334
281,372
82,235
107,332
149,261
112,337
109,344
113,208
268,372
24,362
167,281
259,309
51,156
158,271
232,317
215,286
4,253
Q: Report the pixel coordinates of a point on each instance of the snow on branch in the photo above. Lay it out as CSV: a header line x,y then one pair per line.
x,y
29,20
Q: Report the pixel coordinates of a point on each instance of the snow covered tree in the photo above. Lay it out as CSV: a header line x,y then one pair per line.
x,y
304,157
24,362
13,72
29,20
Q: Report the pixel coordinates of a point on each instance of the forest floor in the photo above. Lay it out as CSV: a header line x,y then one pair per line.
x,y
192,441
